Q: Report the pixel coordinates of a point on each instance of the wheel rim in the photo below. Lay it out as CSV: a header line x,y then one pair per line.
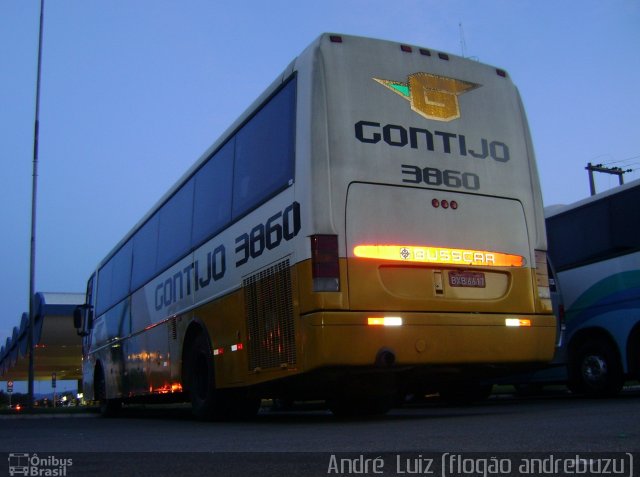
x,y
594,369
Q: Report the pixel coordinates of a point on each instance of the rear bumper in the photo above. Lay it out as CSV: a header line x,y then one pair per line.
x,y
425,339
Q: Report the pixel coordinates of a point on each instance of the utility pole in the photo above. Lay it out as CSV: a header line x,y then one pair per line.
x,y
34,188
607,170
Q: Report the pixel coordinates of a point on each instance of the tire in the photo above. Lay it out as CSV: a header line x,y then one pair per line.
x,y
201,378
634,354
595,370
108,407
207,402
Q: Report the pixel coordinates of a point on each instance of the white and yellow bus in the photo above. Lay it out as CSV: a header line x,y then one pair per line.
x,y
371,225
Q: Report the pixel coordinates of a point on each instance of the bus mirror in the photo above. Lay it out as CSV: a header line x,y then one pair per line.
x,y
80,314
77,318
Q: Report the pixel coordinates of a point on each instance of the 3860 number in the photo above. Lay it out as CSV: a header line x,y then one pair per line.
x,y
436,177
283,225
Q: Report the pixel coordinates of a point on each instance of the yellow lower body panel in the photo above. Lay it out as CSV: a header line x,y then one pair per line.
x,y
432,339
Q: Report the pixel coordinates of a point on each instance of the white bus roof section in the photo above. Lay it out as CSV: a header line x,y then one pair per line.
x,y
556,209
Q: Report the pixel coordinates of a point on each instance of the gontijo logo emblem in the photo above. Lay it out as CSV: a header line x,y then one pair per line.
x,y
431,96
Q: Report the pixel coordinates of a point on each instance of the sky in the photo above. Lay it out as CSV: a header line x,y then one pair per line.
x,y
134,91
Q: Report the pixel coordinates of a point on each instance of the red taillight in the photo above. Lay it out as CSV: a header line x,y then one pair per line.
x,y
325,268
445,204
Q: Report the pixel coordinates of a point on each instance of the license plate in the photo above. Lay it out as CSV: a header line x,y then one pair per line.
x,y
467,279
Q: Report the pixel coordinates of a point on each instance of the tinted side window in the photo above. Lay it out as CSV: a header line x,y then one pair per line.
x,y
256,163
265,152
212,207
114,279
174,234
145,246
89,296
595,231
104,288
578,236
625,220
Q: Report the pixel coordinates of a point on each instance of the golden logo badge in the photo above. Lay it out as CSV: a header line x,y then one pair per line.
x,y
431,96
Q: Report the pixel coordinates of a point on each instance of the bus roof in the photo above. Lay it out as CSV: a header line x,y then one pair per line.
x,y
557,209
350,42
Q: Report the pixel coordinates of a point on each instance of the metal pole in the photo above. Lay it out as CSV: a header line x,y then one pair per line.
x,y
592,184
34,188
53,385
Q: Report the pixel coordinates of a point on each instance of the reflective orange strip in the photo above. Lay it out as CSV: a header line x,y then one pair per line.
x,y
439,255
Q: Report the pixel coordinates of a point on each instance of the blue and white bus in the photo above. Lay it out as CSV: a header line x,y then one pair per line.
x,y
594,249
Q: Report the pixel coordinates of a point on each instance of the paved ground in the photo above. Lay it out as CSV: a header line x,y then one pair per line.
x,y
308,437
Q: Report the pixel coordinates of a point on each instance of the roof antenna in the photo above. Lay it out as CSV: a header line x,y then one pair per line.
x,y
463,44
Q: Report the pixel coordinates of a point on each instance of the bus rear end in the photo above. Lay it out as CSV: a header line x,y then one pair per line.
x,y
426,256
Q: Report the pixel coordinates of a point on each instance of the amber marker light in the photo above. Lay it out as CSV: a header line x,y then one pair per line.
x,y
517,322
439,255
384,321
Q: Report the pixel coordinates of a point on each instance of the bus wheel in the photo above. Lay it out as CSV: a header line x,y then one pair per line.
x,y
108,407
201,375
595,370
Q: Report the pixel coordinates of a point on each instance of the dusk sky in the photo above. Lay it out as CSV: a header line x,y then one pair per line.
x,y
133,91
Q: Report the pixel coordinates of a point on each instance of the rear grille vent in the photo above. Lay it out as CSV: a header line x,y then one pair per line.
x,y
269,314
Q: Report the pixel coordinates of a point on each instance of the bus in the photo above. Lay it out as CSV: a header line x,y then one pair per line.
x,y
594,251
371,226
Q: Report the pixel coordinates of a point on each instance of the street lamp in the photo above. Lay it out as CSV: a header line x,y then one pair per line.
x,y
34,189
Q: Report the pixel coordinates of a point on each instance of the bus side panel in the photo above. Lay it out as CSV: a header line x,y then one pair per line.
x,y
225,324
255,331
158,371
136,365
606,296
107,337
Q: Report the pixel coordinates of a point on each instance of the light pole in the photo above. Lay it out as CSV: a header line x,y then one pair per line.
x,y
34,189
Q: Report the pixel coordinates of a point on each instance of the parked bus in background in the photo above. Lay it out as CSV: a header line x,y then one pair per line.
x,y
594,249
371,226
